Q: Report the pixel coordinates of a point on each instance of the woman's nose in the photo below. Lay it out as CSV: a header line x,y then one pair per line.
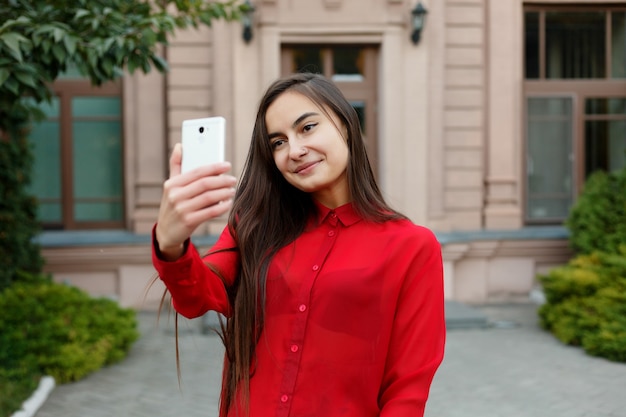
x,y
296,149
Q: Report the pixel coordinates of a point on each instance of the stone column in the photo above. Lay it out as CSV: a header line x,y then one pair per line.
x,y
503,208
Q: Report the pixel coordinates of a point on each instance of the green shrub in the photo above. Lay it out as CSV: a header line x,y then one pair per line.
x,y
586,304
61,331
16,385
597,222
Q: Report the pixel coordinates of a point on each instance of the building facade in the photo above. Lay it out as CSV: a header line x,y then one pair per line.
x,y
484,130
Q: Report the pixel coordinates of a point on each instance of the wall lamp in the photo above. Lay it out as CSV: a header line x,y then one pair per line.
x,y
419,16
246,20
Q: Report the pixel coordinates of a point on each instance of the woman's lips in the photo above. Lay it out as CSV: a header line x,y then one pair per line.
x,y
304,168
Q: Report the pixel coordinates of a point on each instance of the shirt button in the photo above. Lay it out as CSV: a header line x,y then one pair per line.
x,y
294,348
302,308
331,233
333,215
284,398
316,267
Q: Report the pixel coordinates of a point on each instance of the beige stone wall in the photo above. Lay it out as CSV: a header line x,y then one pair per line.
x,y
457,138
189,87
450,110
192,85
154,109
121,272
475,271
450,120
504,131
144,152
499,270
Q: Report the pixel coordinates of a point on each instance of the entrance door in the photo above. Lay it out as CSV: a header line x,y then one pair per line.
x,y
353,69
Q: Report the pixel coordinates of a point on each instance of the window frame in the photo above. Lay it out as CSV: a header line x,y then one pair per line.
x,y
65,90
579,89
546,8
573,157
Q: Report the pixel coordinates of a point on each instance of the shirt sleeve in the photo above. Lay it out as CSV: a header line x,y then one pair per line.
x,y
417,342
198,284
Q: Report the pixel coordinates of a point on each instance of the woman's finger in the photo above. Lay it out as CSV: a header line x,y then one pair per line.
x,y
212,170
176,160
178,193
208,213
204,200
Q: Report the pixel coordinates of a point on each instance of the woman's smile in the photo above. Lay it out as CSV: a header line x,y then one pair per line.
x,y
306,168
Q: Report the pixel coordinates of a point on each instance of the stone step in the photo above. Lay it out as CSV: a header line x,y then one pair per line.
x,y
462,316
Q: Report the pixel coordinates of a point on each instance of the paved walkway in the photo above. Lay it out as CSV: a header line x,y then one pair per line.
x,y
511,369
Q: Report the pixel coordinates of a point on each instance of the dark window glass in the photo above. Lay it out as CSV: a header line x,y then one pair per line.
x,y
605,106
308,59
531,44
348,63
605,145
618,45
605,137
575,45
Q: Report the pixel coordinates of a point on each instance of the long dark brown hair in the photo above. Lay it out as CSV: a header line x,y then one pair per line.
x,y
268,213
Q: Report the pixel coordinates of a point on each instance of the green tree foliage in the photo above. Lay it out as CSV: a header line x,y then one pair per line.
x,y
41,39
598,220
17,209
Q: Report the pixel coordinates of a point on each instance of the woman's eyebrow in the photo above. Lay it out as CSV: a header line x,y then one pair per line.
x,y
295,123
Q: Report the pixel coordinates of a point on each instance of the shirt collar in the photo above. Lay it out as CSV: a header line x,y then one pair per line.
x,y
346,213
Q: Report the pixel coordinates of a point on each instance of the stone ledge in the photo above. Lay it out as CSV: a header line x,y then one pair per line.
x,y
525,233
73,238
49,239
462,316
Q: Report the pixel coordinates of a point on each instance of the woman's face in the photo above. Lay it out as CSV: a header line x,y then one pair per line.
x,y
309,148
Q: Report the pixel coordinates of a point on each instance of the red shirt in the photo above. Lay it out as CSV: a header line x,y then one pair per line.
x,y
354,321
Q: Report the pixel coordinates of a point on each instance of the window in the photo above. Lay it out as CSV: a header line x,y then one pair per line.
x,y
575,87
575,43
77,174
549,150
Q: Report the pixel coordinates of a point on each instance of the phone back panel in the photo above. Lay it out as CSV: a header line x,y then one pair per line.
x,y
203,142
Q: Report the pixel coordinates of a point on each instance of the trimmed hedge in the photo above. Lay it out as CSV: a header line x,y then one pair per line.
x,y
597,222
586,299
586,304
58,330
16,385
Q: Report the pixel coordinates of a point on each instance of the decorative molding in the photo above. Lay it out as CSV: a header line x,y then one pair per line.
x,y
333,4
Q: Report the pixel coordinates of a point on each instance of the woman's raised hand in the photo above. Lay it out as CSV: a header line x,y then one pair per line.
x,y
190,199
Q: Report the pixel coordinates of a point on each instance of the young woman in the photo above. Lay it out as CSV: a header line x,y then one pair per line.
x,y
334,300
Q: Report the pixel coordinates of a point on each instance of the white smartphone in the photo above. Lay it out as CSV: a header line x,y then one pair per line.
x,y
203,142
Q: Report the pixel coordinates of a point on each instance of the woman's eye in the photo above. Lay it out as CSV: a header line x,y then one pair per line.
x,y
309,126
277,143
